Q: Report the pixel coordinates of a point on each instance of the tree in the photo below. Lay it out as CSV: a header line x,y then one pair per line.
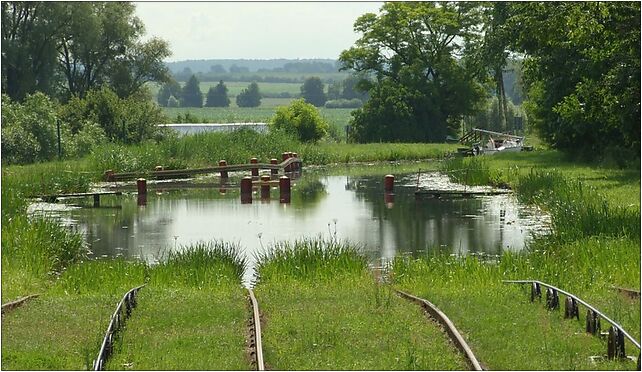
x,y
249,97
424,80
312,91
217,69
142,63
582,74
30,32
334,90
69,48
352,88
170,89
301,119
191,94
217,96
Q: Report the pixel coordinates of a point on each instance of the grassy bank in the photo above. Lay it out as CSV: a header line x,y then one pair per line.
x,y
322,310
505,330
191,316
594,244
63,328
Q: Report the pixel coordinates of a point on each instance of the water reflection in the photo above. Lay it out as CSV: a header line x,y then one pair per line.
x,y
352,208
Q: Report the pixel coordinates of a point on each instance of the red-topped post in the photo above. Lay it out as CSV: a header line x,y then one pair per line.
x,y
274,162
265,187
223,163
255,171
246,190
284,189
389,183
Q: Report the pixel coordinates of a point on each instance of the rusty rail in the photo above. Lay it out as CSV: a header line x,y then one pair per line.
x,y
19,302
188,172
115,323
586,304
452,331
255,336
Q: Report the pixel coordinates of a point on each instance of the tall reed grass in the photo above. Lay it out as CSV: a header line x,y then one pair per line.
x,y
201,265
313,259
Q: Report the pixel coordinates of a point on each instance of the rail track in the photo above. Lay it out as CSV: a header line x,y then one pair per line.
x,y
448,325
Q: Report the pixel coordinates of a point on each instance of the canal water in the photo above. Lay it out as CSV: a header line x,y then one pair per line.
x,y
350,208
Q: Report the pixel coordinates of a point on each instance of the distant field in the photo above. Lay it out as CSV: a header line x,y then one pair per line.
x,y
336,117
235,87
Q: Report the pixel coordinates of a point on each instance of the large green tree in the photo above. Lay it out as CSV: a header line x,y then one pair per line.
x,y
71,48
249,97
191,94
424,83
170,89
312,91
217,96
582,73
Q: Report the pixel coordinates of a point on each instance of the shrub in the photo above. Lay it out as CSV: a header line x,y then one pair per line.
x,y
344,103
29,129
302,119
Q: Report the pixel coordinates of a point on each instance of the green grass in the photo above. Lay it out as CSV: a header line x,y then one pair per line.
x,y
322,310
206,149
192,315
63,328
503,328
337,118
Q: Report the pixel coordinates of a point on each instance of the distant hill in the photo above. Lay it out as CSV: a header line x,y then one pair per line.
x,y
252,65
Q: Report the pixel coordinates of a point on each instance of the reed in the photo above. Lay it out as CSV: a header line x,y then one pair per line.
x,y
200,265
309,260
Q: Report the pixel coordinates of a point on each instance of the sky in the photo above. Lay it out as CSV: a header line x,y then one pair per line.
x,y
253,30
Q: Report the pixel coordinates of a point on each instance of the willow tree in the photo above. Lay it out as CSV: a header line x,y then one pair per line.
x,y
423,79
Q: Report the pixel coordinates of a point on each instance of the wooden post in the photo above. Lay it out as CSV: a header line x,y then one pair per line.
x,y
255,171
246,190
109,175
284,157
265,187
284,189
295,165
96,200
274,162
389,183
141,183
223,163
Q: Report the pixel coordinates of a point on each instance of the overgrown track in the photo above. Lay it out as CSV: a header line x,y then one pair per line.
x,y
115,323
256,344
19,302
450,328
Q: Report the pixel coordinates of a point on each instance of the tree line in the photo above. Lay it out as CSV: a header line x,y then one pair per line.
x,y
435,64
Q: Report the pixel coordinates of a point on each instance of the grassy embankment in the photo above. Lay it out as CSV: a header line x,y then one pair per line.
x,y
594,244
322,309
192,315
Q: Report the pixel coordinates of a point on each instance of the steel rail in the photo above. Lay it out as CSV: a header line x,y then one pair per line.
x,y
452,331
19,302
258,344
115,323
615,324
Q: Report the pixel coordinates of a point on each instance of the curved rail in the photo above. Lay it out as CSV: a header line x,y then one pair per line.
x,y
19,302
452,331
115,323
568,294
255,337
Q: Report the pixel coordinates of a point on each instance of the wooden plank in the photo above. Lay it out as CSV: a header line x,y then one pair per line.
x,y
54,197
438,193
19,302
188,172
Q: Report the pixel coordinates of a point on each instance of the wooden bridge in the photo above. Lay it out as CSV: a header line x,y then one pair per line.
x,y
291,163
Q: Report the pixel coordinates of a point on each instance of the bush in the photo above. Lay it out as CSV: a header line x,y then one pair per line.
x,y
127,120
83,142
29,129
344,103
301,119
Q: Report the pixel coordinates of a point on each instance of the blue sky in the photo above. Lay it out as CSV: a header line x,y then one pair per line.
x,y
253,30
